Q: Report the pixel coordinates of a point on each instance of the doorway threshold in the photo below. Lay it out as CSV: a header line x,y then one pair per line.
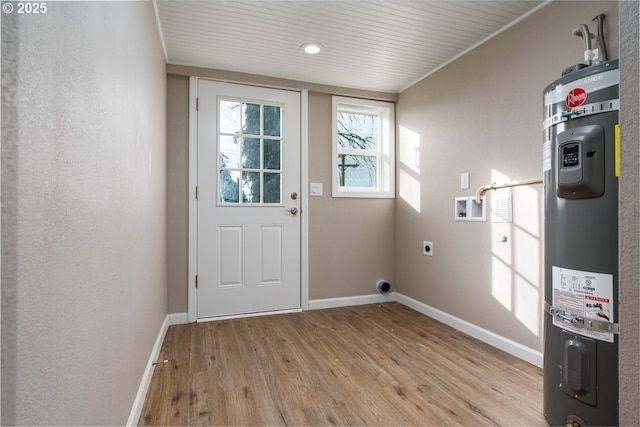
x,y
241,315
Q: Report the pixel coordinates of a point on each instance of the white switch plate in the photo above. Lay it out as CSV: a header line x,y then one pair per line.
x,y
464,181
316,189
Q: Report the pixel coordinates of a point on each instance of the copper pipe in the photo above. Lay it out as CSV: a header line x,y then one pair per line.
x,y
486,188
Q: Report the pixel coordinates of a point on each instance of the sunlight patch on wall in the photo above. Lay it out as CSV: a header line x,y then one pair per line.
x,y
526,209
410,189
499,249
517,255
526,255
499,177
410,149
409,170
501,286
526,308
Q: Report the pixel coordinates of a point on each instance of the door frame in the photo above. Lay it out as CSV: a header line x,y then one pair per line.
x,y
193,206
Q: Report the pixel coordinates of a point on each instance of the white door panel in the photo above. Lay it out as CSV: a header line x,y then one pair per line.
x,y
248,249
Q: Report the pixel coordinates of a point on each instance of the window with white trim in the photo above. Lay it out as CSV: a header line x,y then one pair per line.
x,y
363,148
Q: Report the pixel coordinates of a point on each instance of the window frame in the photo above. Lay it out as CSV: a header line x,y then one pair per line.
x,y
385,153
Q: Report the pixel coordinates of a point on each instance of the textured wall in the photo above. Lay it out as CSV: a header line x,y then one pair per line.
x,y
629,214
9,239
90,184
350,240
482,114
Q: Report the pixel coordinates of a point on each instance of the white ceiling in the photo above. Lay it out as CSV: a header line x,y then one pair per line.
x,y
368,44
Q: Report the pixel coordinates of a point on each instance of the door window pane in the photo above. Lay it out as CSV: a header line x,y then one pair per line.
x,y
251,153
251,187
230,117
272,188
251,113
272,121
229,186
229,152
272,154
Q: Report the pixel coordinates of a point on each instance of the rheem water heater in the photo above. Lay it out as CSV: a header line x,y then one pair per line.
x,y
580,164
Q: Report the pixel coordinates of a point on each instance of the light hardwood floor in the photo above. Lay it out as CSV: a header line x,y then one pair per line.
x,y
366,365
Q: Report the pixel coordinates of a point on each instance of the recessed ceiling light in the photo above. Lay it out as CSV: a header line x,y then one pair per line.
x,y
311,48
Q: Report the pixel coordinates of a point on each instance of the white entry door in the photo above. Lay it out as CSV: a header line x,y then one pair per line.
x,y
248,199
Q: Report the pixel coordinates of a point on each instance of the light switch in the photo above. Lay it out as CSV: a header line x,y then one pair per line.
x,y
464,181
316,189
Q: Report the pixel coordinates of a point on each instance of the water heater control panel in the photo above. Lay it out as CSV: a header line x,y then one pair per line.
x,y
571,155
580,157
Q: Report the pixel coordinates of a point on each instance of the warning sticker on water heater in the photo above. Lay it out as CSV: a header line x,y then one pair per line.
x,y
585,294
546,156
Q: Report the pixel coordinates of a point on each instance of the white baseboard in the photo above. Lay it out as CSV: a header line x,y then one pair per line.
x,y
318,304
136,410
178,318
505,344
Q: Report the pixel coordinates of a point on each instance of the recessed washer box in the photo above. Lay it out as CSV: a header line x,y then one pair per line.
x,y
466,209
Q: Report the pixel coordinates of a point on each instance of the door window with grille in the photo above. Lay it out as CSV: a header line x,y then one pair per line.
x,y
249,153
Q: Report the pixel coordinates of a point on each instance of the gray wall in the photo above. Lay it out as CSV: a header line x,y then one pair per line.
x,y
85,166
629,214
482,114
177,192
350,240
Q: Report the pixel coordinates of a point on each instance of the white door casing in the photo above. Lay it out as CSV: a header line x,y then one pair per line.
x,y
248,246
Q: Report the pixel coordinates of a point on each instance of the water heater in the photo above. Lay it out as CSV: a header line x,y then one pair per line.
x,y
580,164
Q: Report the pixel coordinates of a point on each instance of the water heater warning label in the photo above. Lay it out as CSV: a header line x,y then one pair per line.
x,y
546,156
586,294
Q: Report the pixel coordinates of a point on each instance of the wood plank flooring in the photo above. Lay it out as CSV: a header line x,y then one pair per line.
x,y
382,364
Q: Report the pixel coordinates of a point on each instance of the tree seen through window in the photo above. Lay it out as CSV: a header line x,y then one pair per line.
x,y
357,132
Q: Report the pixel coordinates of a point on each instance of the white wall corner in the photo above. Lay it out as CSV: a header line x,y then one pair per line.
x,y
505,344
136,410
